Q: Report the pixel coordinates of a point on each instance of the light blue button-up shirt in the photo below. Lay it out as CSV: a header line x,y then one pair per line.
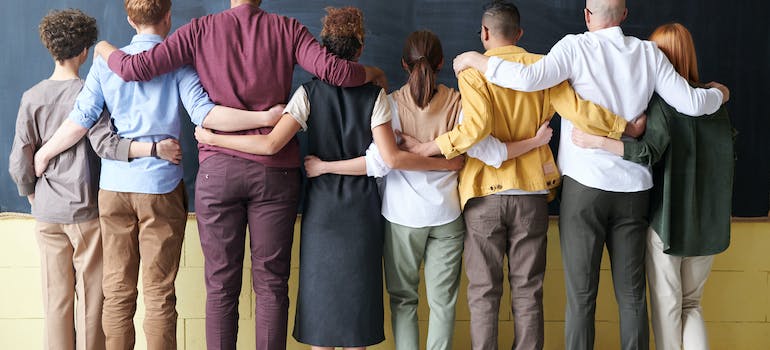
x,y
144,111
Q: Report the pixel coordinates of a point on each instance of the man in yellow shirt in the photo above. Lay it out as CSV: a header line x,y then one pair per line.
x,y
505,208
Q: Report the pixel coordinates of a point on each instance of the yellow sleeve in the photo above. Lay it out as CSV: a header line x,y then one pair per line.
x,y
477,110
585,115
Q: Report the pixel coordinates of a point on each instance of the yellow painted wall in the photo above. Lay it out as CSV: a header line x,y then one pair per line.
x,y
736,301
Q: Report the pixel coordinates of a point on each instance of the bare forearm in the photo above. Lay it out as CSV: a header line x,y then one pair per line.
x,y
409,161
518,148
68,134
230,119
139,149
355,166
254,144
612,146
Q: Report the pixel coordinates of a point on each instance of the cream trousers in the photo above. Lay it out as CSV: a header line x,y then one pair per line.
x,y
676,286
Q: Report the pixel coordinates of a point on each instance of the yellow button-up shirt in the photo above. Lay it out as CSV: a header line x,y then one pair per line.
x,y
515,116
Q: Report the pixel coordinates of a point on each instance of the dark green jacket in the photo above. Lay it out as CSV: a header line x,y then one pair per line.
x,y
692,162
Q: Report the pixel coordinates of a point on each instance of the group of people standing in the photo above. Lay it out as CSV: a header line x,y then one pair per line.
x,y
437,211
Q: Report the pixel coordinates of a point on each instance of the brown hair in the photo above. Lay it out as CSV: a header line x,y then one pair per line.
x,y
147,12
676,43
66,33
422,56
343,31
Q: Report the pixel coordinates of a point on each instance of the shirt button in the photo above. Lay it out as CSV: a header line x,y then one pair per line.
x,y
491,188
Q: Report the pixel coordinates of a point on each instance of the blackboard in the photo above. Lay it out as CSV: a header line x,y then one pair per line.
x,y
733,42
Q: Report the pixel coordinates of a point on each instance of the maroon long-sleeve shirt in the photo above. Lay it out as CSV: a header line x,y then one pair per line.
x,y
245,58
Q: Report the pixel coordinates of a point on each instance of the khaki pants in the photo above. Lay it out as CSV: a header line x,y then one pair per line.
x,y
71,266
497,226
676,287
150,228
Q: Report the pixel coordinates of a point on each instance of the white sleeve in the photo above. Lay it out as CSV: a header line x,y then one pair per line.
x,y
678,93
549,71
299,107
489,150
375,166
381,113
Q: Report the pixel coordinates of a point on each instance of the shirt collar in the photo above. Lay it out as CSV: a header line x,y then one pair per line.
x,y
615,31
508,49
153,38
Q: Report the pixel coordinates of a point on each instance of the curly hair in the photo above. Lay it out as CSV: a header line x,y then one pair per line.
x,y
66,33
343,31
147,12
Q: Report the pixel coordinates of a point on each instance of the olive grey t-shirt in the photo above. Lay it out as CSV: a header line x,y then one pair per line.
x,y
67,192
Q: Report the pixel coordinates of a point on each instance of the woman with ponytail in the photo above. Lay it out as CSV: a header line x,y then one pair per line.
x,y
422,208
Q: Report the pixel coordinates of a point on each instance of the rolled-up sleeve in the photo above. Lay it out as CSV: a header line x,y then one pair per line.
x,y
477,112
90,102
375,165
194,98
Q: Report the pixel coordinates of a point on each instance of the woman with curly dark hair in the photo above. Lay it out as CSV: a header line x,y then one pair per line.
x,y
340,282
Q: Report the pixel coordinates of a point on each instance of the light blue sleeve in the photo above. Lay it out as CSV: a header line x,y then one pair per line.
x,y
90,102
194,98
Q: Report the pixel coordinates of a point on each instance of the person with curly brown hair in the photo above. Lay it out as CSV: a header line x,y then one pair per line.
x,y
340,281
63,200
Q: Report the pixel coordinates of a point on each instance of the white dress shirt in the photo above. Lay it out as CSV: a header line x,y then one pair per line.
x,y
615,71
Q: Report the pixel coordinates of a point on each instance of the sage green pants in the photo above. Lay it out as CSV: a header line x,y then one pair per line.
x,y
441,247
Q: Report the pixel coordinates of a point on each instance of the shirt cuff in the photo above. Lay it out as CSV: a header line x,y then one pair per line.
x,y
445,145
26,189
618,129
121,154
201,113
492,64
81,120
375,166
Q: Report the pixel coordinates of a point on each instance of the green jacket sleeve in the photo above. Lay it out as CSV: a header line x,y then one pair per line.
x,y
653,144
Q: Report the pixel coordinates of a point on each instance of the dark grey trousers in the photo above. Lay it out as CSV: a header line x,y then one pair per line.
x,y
589,219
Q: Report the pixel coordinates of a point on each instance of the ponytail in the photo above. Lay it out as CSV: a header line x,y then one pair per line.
x,y
422,82
422,57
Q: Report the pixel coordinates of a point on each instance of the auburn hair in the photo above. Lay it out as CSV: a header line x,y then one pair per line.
x,y
147,12
676,43
422,57
343,31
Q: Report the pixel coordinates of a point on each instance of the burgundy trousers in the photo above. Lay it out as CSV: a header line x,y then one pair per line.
x,y
231,193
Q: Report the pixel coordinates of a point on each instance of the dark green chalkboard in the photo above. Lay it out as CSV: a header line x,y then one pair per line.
x,y
733,42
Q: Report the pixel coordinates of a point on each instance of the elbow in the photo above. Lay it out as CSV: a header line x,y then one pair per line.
x,y
272,148
392,161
